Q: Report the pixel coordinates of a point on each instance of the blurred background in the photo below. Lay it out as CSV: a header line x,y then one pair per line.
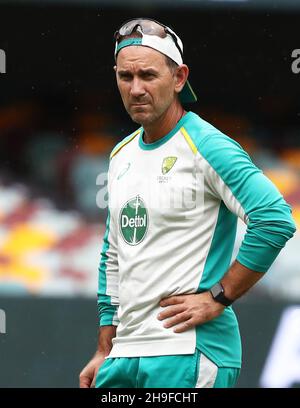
x,y
60,116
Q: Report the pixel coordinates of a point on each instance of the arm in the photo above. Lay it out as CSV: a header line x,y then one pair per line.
x,y
105,336
191,310
249,194
108,302
87,377
238,280
108,276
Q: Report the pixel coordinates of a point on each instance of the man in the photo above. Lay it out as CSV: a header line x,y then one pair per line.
x,y
176,187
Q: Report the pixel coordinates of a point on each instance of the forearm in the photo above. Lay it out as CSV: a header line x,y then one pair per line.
x,y
105,336
238,280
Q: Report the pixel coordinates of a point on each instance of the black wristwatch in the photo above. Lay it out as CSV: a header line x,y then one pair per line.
x,y
217,292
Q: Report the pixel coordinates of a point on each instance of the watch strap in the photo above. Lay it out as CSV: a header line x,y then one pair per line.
x,y
217,292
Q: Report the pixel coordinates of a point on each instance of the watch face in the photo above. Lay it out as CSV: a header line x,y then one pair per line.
x,y
216,290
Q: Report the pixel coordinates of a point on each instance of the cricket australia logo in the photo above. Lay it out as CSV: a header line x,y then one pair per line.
x,y
133,221
168,163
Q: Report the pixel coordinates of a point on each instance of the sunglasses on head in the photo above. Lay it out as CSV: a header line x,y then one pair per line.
x,y
146,26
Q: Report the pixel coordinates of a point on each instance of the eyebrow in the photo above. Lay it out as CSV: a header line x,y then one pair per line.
x,y
140,71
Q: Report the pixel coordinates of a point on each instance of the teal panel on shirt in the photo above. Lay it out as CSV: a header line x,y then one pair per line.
x,y
105,309
220,252
219,339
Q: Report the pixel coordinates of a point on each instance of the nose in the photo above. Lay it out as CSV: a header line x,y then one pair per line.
x,y
137,88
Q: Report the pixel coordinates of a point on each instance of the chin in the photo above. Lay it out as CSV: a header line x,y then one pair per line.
x,y
142,118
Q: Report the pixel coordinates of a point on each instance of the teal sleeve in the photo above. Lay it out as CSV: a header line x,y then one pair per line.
x,y
106,309
269,221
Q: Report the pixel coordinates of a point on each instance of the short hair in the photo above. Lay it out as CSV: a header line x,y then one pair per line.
x,y
171,64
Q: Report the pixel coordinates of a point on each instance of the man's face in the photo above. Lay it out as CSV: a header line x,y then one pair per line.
x,y
145,82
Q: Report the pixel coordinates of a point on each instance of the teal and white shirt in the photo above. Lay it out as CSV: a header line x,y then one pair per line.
x,y
171,226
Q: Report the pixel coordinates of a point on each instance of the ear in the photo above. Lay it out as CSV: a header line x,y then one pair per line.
x,y
115,68
181,77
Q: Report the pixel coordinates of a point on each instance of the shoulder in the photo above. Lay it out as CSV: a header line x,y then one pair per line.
x,y
210,142
219,151
124,142
205,136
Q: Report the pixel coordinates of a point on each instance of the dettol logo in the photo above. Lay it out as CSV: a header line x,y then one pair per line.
x,y
133,221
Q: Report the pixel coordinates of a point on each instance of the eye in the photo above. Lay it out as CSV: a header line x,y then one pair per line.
x,y
148,75
125,76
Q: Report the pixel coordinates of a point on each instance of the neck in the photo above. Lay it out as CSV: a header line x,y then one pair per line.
x,y
164,124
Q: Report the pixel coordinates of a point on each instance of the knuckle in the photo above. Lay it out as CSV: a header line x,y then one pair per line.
x,y
185,314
